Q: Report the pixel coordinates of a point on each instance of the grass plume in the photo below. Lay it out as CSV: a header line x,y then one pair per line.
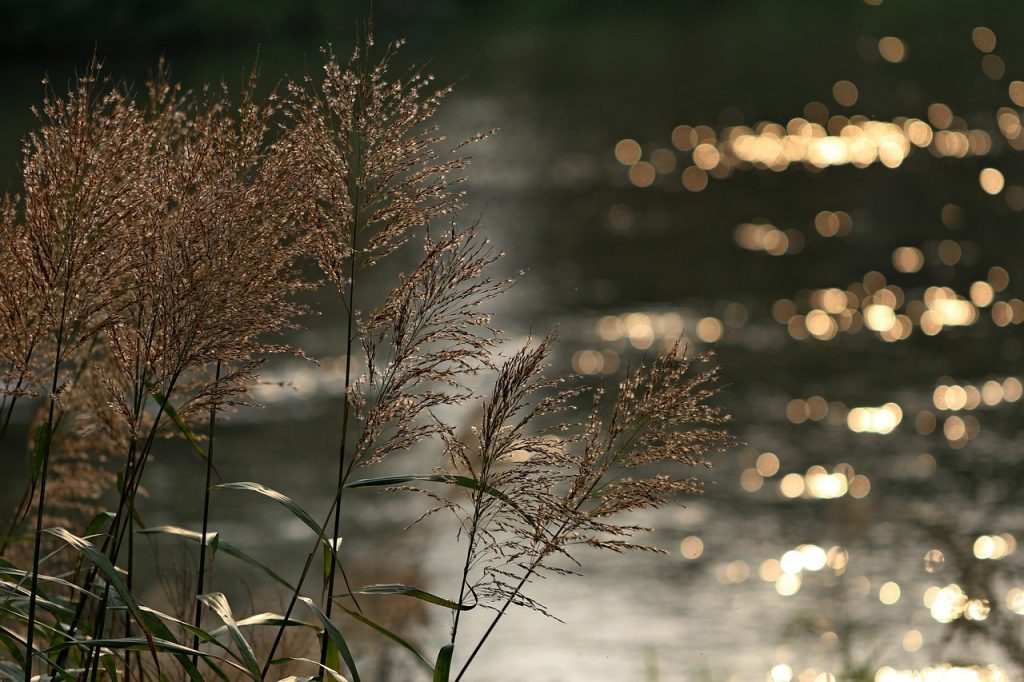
x,y
156,248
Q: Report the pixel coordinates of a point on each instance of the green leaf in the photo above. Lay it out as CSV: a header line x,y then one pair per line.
x,y
101,561
285,501
213,540
163,646
263,619
218,603
390,635
451,479
180,423
59,611
335,636
280,498
110,665
15,672
330,550
46,578
443,667
406,591
154,621
15,646
9,639
296,659
208,637
41,627
98,522
332,661
39,450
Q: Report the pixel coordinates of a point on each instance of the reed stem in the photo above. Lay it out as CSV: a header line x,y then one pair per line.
x,y
206,518
43,471
342,473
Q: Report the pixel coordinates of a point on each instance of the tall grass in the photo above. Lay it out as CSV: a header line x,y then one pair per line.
x,y
153,255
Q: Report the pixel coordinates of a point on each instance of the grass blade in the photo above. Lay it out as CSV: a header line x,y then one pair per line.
x,y
218,603
45,578
263,619
335,636
390,635
100,560
450,479
296,659
180,423
213,539
291,506
443,667
406,591
157,627
330,550
39,450
280,498
180,651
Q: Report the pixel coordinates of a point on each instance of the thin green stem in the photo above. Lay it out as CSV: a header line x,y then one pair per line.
x,y
478,510
119,527
29,655
342,473
466,566
533,568
116,533
494,622
206,517
298,588
127,615
92,662
44,470
508,602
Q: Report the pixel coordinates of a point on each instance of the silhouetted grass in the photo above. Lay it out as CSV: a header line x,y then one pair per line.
x,y
155,249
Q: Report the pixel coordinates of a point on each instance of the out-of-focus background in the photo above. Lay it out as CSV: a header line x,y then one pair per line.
x,y
828,193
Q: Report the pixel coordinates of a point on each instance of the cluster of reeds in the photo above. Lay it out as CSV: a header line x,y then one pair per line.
x,y
153,254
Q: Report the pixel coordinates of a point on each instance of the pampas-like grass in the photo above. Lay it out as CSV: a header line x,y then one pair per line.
x,y
151,263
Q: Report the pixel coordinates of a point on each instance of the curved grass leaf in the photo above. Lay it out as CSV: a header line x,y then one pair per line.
x,y
295,659
157,627
263,619
179,422
443,667
218,603
155,619
213,539
10,638
208,637
14,643
39,450
15,672
406,591
100,560
280,498
23,592
390,635
451,479
335,636
49,579
289,504
97,523
330,553
180,651
110,665
43,628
